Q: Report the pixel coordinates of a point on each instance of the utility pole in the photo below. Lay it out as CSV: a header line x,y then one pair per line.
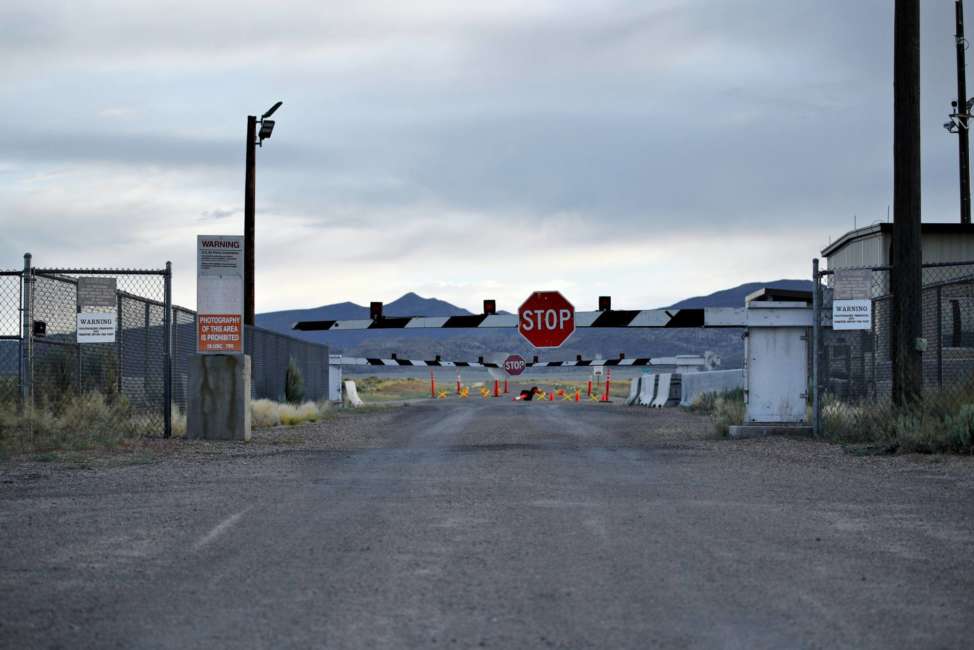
x,y
962,111
249,189
907,254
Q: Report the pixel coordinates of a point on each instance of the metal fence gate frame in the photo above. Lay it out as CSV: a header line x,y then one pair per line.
x,y
51,364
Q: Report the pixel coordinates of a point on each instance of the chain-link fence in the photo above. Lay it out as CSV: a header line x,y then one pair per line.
x,y
126,370
855,367
86,349
11,350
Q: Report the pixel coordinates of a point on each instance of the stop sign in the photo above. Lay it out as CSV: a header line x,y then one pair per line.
x,y
546,319
514,365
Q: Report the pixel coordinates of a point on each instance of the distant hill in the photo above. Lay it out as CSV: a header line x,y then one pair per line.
x,y
735,297
465,345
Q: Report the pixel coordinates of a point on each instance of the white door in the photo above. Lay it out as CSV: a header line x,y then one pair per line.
x,y
777,374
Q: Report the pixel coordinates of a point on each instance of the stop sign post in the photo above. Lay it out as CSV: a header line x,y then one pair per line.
x,y
546,319
514,365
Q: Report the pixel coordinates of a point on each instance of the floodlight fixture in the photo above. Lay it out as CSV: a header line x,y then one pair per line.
x,y
266,128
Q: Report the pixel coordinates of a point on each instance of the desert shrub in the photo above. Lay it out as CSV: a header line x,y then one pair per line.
x,y
724,408
728,410
704,403
263,413
293,383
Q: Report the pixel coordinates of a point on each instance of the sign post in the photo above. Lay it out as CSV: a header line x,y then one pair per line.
x,y
220,374
546,319
219,294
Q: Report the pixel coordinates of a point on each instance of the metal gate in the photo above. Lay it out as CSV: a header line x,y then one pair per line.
x,y
44,369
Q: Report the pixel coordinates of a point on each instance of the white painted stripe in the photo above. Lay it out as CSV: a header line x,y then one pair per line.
x,y
427,321
627,362
500,320
586,318
219,529
352,324
652,318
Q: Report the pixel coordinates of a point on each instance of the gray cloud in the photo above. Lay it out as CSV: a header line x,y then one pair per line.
x,y
666,116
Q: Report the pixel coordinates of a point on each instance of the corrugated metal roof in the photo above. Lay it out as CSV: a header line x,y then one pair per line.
x,y
927,228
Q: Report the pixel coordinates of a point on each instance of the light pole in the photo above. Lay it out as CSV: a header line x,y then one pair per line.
x,y
959,117
255,139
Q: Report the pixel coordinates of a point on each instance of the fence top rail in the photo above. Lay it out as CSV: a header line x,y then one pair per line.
x,y
42,271
930,265
21,272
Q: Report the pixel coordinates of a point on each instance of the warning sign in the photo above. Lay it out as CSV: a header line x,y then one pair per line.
x,y
219,293
219,332
96,327
852,314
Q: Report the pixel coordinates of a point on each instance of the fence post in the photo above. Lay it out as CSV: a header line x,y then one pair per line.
x,y
816,346
167,353
27,352
940,338
119,343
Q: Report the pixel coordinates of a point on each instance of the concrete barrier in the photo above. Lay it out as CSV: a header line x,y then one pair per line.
x,y
647,389
351,395
662,390
696,384
634,386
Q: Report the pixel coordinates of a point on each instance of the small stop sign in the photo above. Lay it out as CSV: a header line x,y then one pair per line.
x,y
514,365
546,319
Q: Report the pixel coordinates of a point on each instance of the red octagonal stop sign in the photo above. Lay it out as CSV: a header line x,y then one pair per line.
x,y
546,319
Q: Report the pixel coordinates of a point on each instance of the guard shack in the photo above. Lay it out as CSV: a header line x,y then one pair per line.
x,y
776,359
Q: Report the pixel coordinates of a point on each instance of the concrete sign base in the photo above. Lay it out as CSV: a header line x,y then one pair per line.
x,y
219,397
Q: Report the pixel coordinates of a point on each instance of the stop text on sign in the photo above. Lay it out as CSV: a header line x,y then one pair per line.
x,y
546,319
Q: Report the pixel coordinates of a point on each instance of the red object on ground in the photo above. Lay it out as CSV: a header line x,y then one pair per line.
x,y
458,382
608,384
432,385
551,397
506,388
497,388
546,319
578,395
589,387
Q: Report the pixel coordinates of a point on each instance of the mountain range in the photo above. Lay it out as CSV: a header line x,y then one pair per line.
x,y
465,345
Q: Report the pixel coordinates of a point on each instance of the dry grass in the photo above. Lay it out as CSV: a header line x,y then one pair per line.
x,y
725,409
942,423
266,413
86,421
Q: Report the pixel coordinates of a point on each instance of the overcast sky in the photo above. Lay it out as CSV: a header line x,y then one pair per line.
x,y
650,150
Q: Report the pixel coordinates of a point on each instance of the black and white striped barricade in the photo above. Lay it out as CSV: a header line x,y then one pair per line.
x,y
646,318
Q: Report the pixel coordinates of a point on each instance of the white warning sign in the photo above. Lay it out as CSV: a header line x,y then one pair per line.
x,y
852,314
96,327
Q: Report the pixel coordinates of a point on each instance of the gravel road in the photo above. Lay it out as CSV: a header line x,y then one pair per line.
x,y
489,524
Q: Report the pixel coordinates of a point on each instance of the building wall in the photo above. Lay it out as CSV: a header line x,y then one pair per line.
x,y
871,250
947,248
